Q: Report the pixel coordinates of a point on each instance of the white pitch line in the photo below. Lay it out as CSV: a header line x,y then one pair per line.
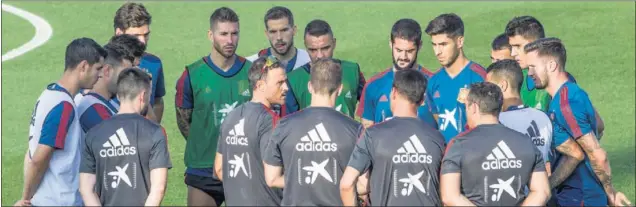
x,y
43,32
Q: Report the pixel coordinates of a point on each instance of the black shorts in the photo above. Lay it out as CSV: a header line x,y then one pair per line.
x,y
212,186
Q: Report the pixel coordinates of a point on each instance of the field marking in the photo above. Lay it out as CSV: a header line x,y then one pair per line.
x,y
43,32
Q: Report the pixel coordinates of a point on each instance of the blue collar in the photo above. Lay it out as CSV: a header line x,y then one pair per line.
x,y
518,107
236,67
106,102
58,87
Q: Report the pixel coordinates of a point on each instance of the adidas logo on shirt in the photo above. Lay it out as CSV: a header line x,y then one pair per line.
x,y
412,151
348,95
246,92
317,140
501,157
237,135
117,145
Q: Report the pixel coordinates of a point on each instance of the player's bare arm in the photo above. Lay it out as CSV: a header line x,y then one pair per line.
x,y
86,188
450,184
362,186
274,176
539,190
184,118
347,184
572,156
366,123
158,109
35,170
218,165
600,164
158,181
150,115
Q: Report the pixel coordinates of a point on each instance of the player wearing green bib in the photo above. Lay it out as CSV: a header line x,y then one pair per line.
x,y
207,91
320,43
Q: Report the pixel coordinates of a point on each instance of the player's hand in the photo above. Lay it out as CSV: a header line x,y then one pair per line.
x,y
22,203
461,97
619,199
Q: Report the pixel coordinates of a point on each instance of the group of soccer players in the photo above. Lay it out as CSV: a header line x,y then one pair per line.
x,y
278,128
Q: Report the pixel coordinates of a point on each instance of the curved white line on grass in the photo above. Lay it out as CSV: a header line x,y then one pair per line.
x,y
43,32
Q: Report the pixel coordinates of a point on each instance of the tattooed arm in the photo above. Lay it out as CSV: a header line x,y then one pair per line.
x,y
184,118
600,164
572,156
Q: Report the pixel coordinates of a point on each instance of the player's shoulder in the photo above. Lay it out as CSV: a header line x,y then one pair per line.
x,y
302,53
199,62
151,58
571,92
477,69
427,73
379,78
347,64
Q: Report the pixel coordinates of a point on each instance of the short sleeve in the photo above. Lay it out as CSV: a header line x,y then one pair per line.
x,y
220,141
184,97
94,115
273,154
452,158
539,164
361,155
56,125
87,163
159,154
574,115
366,107
265,131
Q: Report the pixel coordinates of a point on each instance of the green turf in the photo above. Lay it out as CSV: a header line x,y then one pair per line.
x,y
599,38
15,31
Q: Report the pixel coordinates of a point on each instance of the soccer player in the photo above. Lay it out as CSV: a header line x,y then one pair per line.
x,y
207,91
280,31
244,137
500,49
403,151
490,164
96,106
314,145
457,72
134,19
583,179
125,159
321,43
514,114
405,43
51,163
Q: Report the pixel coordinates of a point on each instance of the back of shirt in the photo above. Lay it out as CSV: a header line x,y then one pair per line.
x,y
533,123
313,146
495,163
121,152
404,157
244,136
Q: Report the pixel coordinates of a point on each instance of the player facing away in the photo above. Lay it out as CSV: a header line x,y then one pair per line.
x,y
405,43
457,72
134,19
321,43
579,179
490,164
500,49
96,106
280,31
313,146
125,159
403,155
51,163
532,122
207,91
245,134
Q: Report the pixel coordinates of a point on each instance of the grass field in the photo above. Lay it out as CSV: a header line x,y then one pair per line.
x,y
599,39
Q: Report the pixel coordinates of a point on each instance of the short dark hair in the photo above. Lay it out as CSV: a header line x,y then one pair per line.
x,y
131,15
500,42
551,46
326,76
526,26
83,49
258,71
508,70
278,12
487,96
129,45
223,14
449,24
115,56
407,29
317,28
411,84
130,83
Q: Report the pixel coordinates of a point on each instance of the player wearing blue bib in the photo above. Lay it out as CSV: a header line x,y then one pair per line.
x,y
457,72
134,19
583,180
374,106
